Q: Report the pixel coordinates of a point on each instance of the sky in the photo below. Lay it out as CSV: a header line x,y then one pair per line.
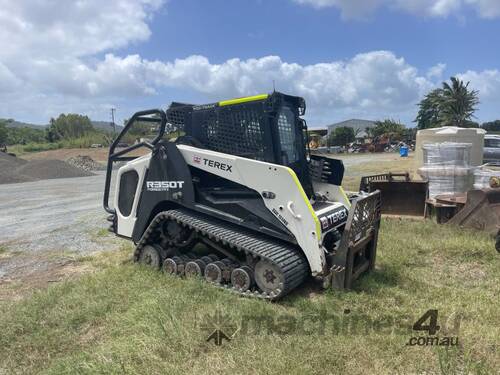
x,y
369,59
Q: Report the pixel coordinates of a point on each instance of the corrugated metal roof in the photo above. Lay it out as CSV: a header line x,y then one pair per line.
x,y
354,123
358,125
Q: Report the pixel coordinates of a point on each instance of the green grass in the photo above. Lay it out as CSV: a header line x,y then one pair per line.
x,y
34,147
353,174
127,319
81,142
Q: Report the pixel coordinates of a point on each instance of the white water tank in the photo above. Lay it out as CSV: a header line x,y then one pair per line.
x,y
473,136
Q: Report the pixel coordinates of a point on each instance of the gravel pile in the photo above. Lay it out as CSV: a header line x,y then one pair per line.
x,y
9,160
8,166
86,163
14,170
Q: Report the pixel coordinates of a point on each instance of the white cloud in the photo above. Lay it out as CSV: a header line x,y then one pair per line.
x,y
49,48
486,82
8,80
348,8
486,8
431,8
436,71
376,82
72,28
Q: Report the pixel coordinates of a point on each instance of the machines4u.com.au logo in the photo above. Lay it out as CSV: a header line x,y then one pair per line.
x,y
429,323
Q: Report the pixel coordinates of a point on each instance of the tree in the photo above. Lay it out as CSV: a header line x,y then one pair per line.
x,y
341,136
452,105
68,126
389,128
51,133
429,112
24,135
459,103
492,126
3,132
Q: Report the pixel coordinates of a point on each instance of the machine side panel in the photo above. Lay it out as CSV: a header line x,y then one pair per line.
x,y
168,179
283,195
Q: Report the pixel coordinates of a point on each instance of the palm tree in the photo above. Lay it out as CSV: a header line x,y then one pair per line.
x,y
452,105
429,112
458,103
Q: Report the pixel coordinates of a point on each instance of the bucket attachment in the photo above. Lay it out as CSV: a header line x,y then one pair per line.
x,y
358,244
481,211
400,194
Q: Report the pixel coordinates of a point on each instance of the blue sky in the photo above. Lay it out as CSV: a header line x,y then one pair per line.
x,y
306,35
349,58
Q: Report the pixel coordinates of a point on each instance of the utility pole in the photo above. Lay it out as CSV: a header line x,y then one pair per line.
x,y
113,120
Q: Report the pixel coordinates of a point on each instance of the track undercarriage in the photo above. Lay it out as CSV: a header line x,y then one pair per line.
x,y
239,261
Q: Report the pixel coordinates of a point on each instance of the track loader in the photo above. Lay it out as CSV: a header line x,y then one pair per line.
x,y
236,176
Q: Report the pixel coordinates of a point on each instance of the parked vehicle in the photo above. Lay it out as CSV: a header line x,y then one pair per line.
x,y
241,181
491,151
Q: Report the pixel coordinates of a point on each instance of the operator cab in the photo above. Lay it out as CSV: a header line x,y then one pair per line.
x,y
263,127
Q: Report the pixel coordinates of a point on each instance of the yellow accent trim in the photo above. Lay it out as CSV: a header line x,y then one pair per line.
x,y
308,204
345,196
243,100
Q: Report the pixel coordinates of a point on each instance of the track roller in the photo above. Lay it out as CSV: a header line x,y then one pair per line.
x,y
242,278
213,272
194,268
174,265
269,269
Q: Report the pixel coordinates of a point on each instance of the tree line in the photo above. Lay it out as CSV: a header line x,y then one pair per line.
x,y
64,128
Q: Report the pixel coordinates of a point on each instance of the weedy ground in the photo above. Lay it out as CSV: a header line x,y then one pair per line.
x,y
377,163
119,318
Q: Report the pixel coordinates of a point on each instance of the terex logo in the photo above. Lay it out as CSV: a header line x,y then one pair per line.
x,y
218,165
333,219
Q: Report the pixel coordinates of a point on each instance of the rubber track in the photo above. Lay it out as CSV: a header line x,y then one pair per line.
x,y
289,259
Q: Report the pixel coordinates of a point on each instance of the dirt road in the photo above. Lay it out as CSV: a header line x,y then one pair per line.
x,y
58,214
45,226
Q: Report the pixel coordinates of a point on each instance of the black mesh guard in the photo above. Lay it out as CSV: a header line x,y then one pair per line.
x,y
240,129
236,131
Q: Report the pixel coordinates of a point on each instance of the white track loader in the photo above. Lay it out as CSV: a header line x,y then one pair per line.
x,y
239,179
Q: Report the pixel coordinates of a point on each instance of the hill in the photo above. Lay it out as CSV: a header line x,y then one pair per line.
x,y
106,126
100,125
11,123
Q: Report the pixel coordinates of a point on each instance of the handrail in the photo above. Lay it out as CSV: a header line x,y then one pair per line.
x,y
112,156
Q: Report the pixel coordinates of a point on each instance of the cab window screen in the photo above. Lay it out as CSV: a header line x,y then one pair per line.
x,y
288,137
